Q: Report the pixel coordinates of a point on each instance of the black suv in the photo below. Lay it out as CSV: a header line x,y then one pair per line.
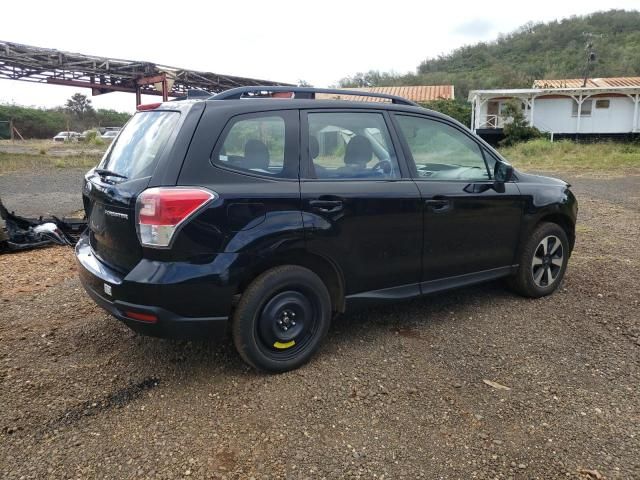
x,y
274,214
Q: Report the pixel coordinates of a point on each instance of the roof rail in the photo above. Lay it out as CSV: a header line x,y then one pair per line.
x,y
303,92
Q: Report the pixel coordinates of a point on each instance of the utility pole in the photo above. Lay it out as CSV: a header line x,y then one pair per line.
x,y
591,54
591,57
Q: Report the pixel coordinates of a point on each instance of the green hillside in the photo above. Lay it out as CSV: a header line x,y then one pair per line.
x,y
542,50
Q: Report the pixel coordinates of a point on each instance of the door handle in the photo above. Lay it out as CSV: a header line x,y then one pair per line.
x,y
326,206
438,205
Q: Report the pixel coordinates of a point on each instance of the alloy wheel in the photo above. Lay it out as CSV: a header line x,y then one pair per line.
x,y
547,262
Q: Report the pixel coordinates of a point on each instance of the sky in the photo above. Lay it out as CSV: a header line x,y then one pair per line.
x,y
286,41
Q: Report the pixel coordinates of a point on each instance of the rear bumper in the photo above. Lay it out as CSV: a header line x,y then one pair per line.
x,y
96,278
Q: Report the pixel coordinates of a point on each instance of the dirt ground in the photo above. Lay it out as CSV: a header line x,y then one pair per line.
x,y
50,191
395,392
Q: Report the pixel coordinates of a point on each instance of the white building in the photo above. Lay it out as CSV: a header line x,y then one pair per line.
x,y
605,106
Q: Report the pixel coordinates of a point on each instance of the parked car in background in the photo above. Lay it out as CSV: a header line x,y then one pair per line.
x,y
276,215
67,137
102,130
109,135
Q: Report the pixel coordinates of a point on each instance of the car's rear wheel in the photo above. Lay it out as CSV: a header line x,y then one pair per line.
x,y
281,318
543,261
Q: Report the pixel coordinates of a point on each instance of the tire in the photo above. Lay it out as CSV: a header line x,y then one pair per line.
x,y
281,318
542,261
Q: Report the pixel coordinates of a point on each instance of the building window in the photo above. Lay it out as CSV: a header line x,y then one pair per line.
x,y
586,108
602,103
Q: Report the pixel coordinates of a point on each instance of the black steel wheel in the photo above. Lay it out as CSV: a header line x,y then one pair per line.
x,y
281,319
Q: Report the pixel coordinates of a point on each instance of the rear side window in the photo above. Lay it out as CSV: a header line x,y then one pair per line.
x,y
134,153
351,146
254,144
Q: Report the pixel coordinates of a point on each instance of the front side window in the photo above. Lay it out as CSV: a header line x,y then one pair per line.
x,y
254,144
351,146
442,152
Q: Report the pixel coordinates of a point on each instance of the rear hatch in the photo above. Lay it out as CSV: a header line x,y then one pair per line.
x,y
110,190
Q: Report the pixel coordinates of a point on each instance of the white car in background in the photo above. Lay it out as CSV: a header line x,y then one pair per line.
x,y
109,135
66,137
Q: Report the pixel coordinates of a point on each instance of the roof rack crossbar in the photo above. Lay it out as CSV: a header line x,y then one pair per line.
x,y
306,92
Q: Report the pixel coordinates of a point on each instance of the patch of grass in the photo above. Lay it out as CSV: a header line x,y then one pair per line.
x,y
565,155
13,162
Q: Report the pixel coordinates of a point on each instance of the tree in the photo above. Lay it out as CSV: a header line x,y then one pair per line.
x,y
79,105
372,78
45,123
460,110
81,112
516,128
110,118
534,51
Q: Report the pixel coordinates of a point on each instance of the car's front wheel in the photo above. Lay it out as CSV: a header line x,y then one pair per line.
x,y
281,318
543,261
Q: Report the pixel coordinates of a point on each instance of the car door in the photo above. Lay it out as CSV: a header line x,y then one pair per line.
x,y
471,224
361,210
253,168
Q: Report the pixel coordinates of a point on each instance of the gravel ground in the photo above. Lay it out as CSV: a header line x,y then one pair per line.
x,y
618,190
395,392
50,191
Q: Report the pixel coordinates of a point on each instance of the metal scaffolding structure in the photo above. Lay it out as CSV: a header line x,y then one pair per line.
x,y
104,75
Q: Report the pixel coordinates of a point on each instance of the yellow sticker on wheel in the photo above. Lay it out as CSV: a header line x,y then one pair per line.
x,y
283,346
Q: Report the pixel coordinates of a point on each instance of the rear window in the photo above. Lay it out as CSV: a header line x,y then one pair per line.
x,y
135,152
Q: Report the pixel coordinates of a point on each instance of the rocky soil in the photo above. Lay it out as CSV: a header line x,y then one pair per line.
x,y
475,383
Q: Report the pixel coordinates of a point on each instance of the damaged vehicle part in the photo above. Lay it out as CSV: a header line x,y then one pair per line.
x,y
21,233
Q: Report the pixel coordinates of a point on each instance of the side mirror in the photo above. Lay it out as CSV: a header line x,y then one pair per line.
x,y
502,172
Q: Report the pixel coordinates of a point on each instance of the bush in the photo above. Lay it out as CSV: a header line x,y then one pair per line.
x,y
461,111
45,123
90,136
516,128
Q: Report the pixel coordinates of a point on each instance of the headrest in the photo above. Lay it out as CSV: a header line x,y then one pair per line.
x,y
358,151
256,154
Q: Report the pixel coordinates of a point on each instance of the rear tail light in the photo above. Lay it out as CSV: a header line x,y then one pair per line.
x,y
161,211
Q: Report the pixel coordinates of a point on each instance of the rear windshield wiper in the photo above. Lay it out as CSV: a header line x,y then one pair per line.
x,y
103,172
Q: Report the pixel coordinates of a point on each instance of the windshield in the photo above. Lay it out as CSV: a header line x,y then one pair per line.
x,y
135,152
